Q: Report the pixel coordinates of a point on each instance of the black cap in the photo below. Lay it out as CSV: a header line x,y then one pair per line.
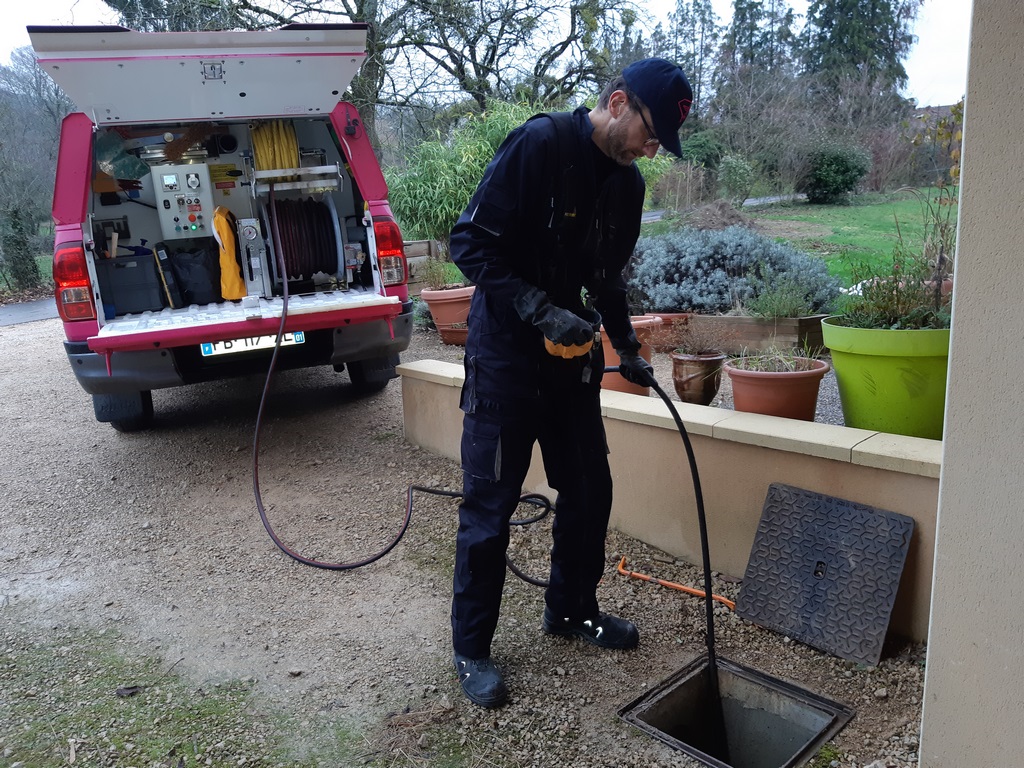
x,y
665,91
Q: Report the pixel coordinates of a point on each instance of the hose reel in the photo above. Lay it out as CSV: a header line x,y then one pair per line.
x,y
310,238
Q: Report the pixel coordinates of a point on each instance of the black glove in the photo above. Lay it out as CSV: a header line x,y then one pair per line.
x,y
635,369
559,325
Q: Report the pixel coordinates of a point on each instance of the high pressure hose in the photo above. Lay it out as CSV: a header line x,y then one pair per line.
x,y
259,422
718,716
529,498
709,607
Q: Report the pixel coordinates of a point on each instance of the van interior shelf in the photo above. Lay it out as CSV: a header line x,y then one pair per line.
x,y
319,177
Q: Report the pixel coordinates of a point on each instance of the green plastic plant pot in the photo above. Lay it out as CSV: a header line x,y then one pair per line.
x,y
890,381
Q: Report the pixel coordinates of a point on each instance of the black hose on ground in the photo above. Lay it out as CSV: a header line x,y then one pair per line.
x,y
279,252
535,499
530,498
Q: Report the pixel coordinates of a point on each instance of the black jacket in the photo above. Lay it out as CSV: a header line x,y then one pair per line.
x,y
563,221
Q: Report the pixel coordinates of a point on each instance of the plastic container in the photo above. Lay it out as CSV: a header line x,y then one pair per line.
x,y
130,284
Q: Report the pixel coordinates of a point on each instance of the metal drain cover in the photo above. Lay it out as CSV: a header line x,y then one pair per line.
x,y
825,571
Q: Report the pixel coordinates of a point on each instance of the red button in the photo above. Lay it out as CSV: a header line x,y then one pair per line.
x,y
191,217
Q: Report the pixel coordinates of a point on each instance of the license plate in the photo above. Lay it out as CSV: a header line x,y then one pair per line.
x,y
250,344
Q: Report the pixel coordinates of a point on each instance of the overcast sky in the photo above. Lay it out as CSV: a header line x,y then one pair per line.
x,y
937,65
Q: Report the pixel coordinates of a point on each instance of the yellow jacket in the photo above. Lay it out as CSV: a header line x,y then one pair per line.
x,y
225,228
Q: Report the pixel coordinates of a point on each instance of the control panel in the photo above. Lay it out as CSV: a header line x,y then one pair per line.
x,y
184,200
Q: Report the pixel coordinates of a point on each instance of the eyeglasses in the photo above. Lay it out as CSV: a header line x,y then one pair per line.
x,y
653,140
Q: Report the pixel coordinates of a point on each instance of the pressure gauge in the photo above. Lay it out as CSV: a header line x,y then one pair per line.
x,y
249,232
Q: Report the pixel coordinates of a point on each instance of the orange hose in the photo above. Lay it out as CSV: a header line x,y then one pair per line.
x,y
672,585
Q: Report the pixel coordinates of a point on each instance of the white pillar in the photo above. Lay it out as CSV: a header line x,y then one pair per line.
x,y
974,683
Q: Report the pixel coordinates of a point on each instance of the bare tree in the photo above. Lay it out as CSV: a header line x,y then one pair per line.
x,y
31,110
26,86
427,50
764,118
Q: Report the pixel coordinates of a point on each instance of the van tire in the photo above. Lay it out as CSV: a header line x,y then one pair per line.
x,y
372,375
128,412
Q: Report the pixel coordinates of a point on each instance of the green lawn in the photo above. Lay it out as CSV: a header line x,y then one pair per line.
x,y
855,239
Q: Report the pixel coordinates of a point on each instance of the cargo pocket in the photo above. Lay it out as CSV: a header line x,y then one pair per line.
x,y
494,209
481,449
467,399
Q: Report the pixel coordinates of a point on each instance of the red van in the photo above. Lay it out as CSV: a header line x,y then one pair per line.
x,y
211,184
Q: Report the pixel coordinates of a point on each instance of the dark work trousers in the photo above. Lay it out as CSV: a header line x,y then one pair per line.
x,y
497,444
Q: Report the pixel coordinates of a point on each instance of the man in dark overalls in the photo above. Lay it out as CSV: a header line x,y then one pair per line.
x,y
545,239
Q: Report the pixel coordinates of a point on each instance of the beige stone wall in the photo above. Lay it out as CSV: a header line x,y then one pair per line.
x,y
974,681
738,456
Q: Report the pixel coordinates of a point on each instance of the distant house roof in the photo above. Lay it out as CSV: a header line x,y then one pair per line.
x,y
934,113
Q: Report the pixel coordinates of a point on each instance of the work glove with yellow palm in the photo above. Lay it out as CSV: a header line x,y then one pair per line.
x,y
569,334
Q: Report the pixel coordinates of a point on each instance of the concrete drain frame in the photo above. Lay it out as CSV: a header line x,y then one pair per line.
x,y
768,723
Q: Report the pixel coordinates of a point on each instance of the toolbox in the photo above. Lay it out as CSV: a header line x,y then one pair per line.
x,y
129,284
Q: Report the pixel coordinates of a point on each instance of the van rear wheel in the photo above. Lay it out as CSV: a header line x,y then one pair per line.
x,y
128,412
373,374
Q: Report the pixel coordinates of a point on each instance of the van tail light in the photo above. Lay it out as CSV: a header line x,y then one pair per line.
x,y
72,288
390,251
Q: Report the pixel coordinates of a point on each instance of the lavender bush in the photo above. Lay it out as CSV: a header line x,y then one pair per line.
x,y
708,271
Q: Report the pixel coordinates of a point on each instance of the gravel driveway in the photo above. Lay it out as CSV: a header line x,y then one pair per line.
x,y
154,539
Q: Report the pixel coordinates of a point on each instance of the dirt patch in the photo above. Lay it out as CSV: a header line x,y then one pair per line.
x,y
786,229
719,214
154,538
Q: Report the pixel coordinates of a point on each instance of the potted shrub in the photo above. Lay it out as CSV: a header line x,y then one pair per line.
x,y
447,297
890,345
697,357
718,274
781,313
776,382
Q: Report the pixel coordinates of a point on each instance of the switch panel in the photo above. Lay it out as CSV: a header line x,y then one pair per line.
x,y
184,200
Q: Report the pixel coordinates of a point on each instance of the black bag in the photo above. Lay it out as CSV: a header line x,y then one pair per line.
x,y
198,276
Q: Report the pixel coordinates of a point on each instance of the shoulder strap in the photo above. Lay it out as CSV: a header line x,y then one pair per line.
x,y
564,192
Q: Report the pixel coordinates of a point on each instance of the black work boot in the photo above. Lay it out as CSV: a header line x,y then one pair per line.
x,y
481,681
602,630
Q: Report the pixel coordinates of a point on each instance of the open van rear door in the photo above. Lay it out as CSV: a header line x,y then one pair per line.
x,y
119,76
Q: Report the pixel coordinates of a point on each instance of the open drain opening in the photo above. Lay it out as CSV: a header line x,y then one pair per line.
x,y
769,723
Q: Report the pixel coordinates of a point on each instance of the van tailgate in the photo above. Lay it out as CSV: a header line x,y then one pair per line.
x,y
235,320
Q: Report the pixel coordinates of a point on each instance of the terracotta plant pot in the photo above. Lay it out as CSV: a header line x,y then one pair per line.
x,y
790,394
697,378
449,307
614,381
